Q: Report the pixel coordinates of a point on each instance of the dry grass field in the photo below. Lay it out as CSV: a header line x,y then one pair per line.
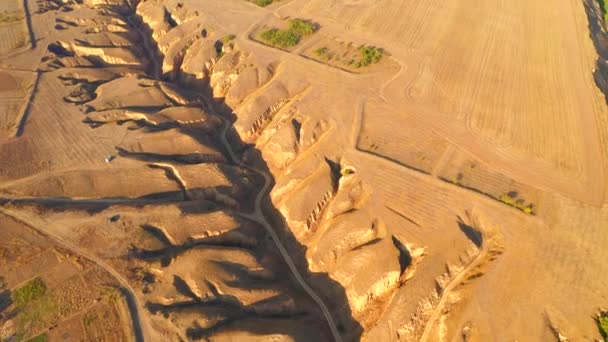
x,y
13,29
483,91
413,145
391,170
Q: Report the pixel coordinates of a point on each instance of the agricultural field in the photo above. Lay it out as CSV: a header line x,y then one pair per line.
x,y
49,293
518,92
463,170
349,56
412,145
15,92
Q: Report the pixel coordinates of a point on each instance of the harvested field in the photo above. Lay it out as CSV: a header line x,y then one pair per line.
x,y
16,91
411,144
463,170
13,36
9,117
484,94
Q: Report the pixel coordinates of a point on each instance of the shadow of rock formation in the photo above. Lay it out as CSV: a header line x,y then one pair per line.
x,y
599,36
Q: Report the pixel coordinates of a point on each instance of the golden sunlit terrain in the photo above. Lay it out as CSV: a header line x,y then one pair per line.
x,y
303,170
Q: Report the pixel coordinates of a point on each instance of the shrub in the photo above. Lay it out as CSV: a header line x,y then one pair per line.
x,y
602,4
322,53
280,38
291,36
602,324
40,338
301,27
369,55
32,290
347,171
263,3
227,39
505,198
89,319
519,203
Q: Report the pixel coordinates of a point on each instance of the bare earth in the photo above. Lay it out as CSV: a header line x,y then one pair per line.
x,y
166,173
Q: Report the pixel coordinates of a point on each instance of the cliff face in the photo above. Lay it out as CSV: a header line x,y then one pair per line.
x,y
330,220
215,127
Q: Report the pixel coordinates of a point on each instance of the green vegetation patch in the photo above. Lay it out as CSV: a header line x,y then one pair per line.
x,y
301,27
40,338
322,53
291,36
262,3
89,318
31,291
602,324
369,55
36,315
519,203
227,39
602,4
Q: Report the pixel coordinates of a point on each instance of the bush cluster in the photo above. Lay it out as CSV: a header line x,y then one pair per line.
x,y
322,53
369,55
291,36
32,290
518,203
227,39
602,4
263,3
40,338
602,323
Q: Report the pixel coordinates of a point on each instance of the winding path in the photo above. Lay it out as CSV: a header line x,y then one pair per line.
x,y
258,216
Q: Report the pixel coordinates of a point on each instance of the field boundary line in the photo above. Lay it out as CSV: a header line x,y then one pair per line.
x,y
23,115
